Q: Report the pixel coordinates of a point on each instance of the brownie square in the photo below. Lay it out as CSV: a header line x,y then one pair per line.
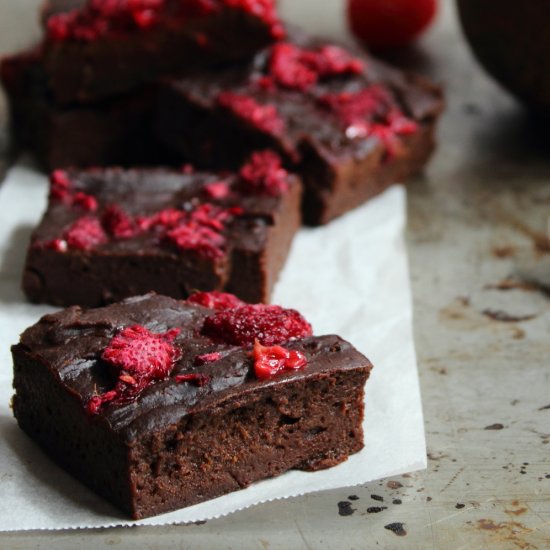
x,y
100,49
157,404
111,233
347,123
115,131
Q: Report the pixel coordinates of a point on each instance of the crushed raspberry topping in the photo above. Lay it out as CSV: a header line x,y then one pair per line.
x,y
263,117
85,201
299,69
272,360
207,358
217,189
140,358
215,300
264,174
61,190
99,18
370,112
266,323
84,234
118,223
60,186
197,378
59,245
201,230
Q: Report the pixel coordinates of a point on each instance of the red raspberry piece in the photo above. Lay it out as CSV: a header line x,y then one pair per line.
x,y
370,112
165,219
296,68
85,233
60,186
118,223
264,174
288,68
272,360
85,201
207,358
217,189
59,245
140,358
215,300
141,353
265,9
203,240
201,231
332,60
197,378
266,323
263,117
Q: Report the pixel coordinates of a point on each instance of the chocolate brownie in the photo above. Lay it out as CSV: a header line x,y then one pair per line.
x,y
106,48
116,131
157,404
112,233
347,123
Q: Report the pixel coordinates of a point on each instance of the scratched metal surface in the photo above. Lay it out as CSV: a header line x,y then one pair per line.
x,y
480,260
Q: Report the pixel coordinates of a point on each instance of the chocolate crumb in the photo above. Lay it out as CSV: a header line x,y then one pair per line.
x,y
376,509
353,497
394,484
497,426
377,497
459,505
429,499
345,509
397,501
396,528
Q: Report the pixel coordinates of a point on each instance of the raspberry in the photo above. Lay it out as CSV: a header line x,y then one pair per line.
x,y
299,69
118,223
165,219
215,300
201,230
263,117
217,189
141,353
266,323
140,358
85,234
197,378
370,112
264,174
60,186
270,361
207,358
203,240
85,201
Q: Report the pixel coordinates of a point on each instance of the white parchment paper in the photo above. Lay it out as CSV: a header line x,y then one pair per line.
x,y
348,278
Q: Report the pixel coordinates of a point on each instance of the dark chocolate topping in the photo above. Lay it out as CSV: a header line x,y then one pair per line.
x,y
144,193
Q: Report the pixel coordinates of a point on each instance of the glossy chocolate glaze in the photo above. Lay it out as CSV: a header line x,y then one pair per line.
x,y
69,345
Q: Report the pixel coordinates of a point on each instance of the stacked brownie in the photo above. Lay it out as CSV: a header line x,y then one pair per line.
x,y
84,95
192,387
